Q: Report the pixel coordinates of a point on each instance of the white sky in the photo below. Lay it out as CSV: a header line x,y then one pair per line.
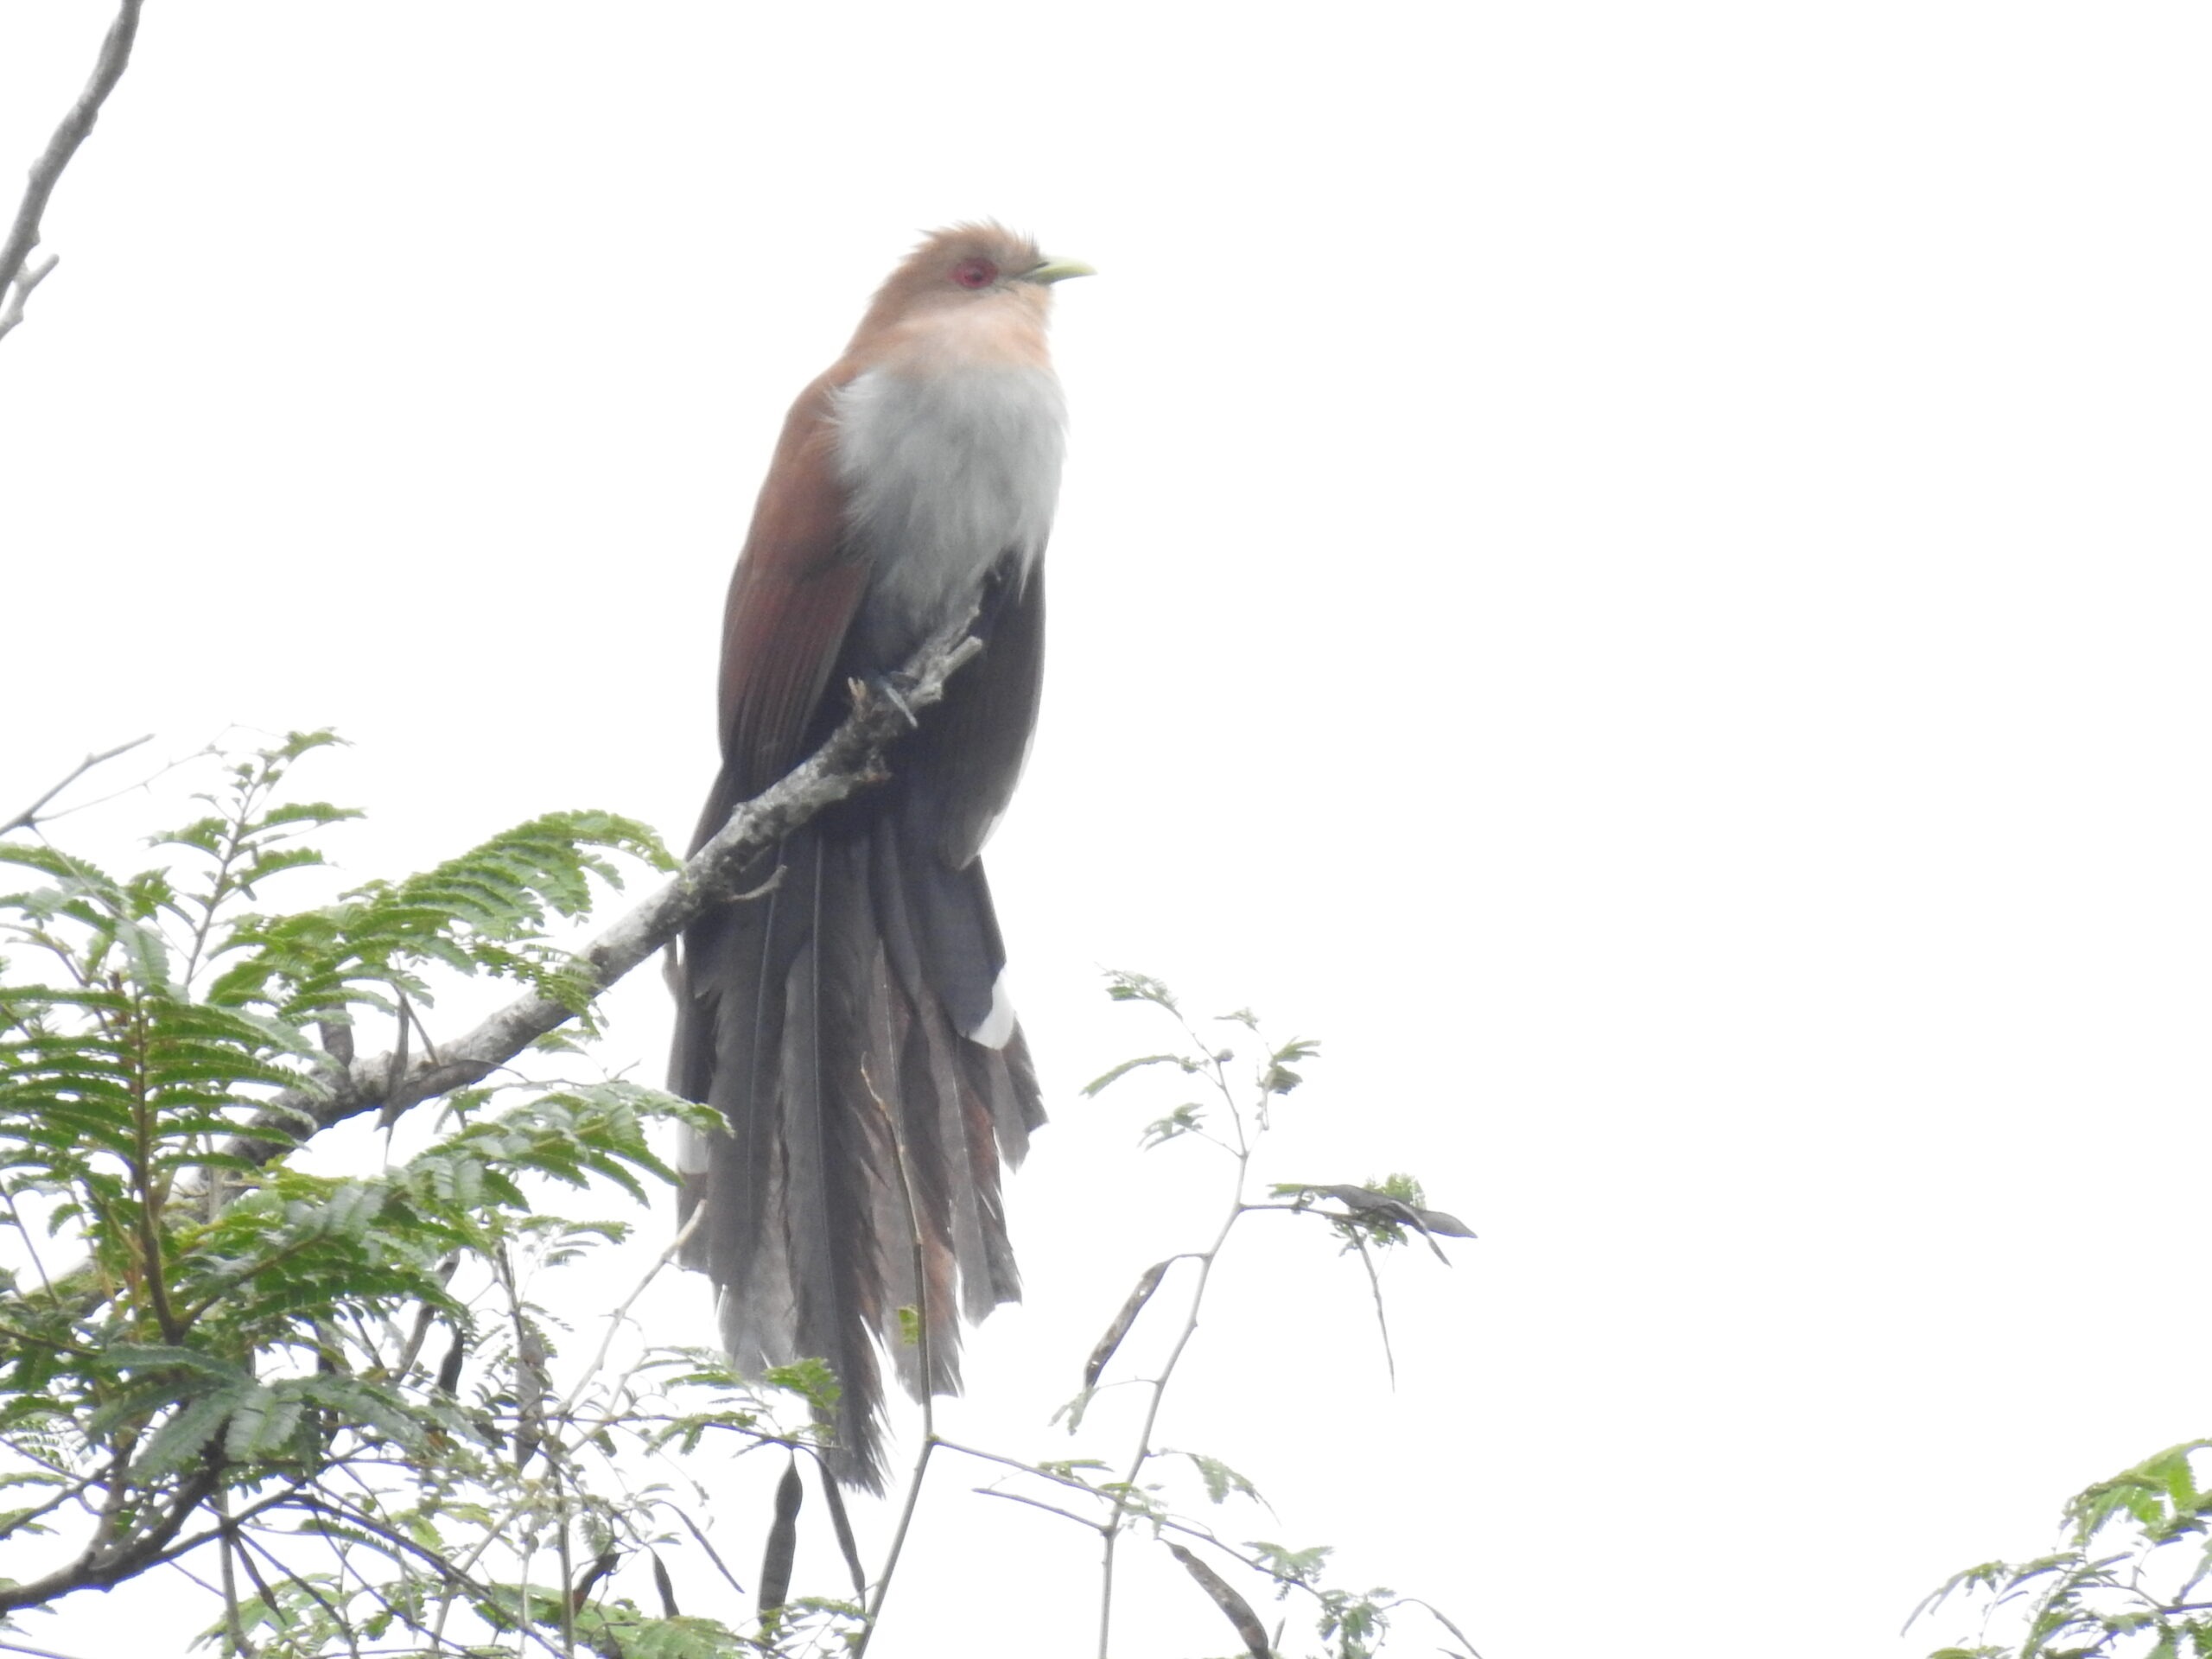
x,y
1639,570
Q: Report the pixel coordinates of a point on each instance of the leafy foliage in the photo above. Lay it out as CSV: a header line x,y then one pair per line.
x,y
2128,1582
200,1349
342,1387
1231,1113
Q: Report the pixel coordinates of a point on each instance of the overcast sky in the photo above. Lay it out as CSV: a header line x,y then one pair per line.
x,y
1638,570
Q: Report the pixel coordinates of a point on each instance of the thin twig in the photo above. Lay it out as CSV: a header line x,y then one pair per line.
x,y
16,282
1437,1613
29,815
712,1554
1382,1317
30,1244
1112,1529
614,1320
23,1522
227,1552
7,1646
11,314
235,839
565,1560
1166,1524
248,1544
452,1577
423,1317
147,782
1049,1508
341,1552
103,1563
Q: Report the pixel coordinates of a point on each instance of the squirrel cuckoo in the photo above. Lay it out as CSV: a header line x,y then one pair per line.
x,y
914,479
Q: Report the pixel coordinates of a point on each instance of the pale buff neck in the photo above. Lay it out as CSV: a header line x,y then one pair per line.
x,y
1003,328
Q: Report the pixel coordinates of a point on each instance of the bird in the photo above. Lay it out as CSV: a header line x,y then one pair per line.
x,y
849,1020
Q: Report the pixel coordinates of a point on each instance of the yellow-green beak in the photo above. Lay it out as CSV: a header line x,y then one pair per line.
x,y
1057,270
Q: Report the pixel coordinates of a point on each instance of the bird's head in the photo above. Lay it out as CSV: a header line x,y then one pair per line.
x,y
981,274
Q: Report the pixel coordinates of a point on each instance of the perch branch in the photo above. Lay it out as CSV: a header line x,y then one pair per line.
x,y
16,280
851,759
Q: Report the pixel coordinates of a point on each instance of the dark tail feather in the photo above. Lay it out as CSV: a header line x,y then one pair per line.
x,y
805,1017
842,1187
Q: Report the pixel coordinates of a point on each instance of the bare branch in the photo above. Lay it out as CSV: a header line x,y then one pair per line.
x,y
29,815
851,759
16,281
105,1563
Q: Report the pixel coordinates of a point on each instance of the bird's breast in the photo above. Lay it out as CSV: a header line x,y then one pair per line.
x,y
945,474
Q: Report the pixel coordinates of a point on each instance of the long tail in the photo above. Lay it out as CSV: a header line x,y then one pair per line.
x,y
825,1021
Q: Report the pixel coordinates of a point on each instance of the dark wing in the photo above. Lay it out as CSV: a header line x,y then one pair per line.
x,y
791,600
845,1001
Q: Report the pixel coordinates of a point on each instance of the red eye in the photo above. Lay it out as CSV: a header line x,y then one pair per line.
x,y
975,273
